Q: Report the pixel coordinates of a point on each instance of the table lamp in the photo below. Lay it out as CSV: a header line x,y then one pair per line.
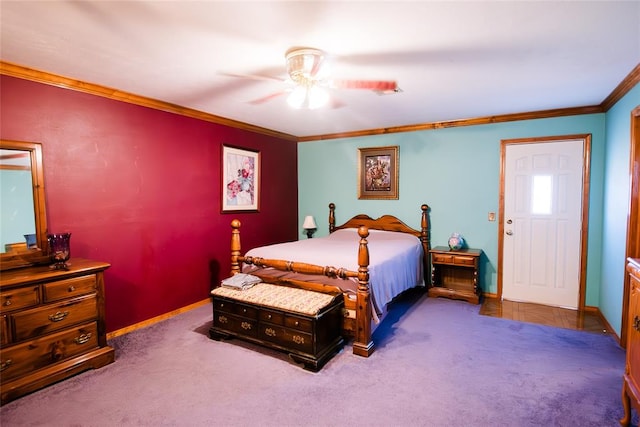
x,y
309,225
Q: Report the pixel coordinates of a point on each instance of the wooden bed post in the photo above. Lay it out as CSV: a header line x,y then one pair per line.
x,y
363,344
235,246
426,246
332,218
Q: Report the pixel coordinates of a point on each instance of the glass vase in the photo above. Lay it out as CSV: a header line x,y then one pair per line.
x,y
59,250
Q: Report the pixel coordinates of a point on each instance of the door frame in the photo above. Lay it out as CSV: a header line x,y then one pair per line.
x,y
633,217
586,173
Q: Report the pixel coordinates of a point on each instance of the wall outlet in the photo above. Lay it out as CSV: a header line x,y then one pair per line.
x,y
492,216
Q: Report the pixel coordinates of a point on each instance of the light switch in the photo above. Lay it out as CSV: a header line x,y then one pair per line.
x,y
492,216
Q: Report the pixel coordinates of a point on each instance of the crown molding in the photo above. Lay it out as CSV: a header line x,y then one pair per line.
x,y
19,71
462,122
25,73
622,89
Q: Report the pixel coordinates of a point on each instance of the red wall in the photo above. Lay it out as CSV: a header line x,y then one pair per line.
x,y
140,188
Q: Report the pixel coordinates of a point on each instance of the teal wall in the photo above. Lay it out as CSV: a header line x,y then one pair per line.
x,y
616,203
456,171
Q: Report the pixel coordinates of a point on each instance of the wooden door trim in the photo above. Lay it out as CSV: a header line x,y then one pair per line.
x,y
586,173
633,216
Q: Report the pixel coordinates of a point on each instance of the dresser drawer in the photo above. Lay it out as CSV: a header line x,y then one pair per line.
x,y
4,330
18,298
38,321
39,353
70,288
464,260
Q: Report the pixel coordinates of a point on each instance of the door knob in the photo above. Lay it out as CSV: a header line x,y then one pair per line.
x,y
509,232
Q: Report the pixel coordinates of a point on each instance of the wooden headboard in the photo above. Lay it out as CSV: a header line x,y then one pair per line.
x,y
388,223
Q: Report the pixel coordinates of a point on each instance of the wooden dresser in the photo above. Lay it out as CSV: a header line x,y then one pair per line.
x,y
454,273
631,381
51,325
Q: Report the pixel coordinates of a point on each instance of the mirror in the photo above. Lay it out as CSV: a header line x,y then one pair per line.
x,y
23,225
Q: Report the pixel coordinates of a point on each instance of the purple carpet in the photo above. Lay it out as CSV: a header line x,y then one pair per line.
x,y
438,363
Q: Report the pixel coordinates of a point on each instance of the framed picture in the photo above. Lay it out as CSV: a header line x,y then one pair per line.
x,y
240,179
378,173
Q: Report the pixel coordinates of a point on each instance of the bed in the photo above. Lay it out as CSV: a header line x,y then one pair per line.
x,y
370,261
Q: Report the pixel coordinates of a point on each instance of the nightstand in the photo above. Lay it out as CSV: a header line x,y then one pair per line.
x,y
454,273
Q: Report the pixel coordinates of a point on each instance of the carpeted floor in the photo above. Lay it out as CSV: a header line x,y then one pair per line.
x,y
438,363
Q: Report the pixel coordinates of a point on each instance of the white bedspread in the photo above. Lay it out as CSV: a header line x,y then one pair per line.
x,y
395,259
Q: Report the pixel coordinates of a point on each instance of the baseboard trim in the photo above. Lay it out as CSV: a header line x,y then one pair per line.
x,y
154,320
608,328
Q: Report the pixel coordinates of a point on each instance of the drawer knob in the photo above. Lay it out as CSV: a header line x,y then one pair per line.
x,y
636,323
58,316
4,365
245,325
72,288
84,338
297,339
296,323
269,316
7,303
270,332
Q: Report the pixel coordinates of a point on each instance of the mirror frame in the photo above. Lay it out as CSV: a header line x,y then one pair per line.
x,y
39,255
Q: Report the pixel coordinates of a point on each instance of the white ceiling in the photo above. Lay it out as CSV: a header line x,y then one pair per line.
x,y
452,59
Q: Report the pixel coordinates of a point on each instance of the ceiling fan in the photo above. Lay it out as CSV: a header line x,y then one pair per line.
x,y
309,79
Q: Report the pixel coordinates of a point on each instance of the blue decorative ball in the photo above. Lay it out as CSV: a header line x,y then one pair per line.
x,y
456,242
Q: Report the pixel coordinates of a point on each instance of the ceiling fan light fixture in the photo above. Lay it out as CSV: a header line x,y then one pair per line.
x,y
308,97
304,63
297,96
317,97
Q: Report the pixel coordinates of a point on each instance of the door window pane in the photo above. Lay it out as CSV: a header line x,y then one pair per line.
x,y
541,194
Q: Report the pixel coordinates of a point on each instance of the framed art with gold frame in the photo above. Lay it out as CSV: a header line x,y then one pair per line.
x,y
378,170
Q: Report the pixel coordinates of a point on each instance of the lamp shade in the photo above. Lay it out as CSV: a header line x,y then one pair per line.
x,y
309,223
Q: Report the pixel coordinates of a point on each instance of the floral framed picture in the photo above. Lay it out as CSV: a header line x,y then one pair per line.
x,y
378,173
240,179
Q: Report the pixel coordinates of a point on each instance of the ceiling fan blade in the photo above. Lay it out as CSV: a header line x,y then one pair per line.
x,y
267,98
374,85
253,77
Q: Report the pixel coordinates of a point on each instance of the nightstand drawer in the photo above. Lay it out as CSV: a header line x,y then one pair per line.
x,y
448,259
41,352
69,288
38,321
464,260
17,298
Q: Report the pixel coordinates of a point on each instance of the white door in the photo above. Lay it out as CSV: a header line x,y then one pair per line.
x,y
542,222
